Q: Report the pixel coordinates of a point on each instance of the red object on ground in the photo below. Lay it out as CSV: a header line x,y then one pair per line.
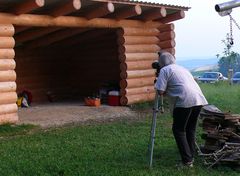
x,y
113,98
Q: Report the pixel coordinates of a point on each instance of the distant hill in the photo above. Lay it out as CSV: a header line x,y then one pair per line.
x,y
201,64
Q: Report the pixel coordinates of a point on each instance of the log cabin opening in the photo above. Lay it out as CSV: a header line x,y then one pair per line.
x,y
144,32
67,64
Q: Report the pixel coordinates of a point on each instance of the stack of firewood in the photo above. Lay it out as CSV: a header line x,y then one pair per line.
x,y
221,132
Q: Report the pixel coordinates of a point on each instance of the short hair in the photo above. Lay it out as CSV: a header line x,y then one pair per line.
x,y
165,58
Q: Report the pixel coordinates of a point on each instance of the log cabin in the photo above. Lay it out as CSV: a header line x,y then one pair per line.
x,y
73,46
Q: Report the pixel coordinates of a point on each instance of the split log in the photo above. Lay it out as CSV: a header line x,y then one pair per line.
x,y
173,17
137,82
7,42
138,56
166,27
139,49
6,30
7,87
9,75
100,11
70,21
7,64
136,98
136,65
126,12
138,90
167,44
8,98
8,108
132,40
7,53
9,118
154,14
67,8
170,50
27,6
169,35
138,32
137,74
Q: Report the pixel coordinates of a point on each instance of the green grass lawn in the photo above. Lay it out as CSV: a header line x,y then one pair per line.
x,y
117,148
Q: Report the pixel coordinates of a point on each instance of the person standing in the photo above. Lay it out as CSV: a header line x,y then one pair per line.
x,y
186,100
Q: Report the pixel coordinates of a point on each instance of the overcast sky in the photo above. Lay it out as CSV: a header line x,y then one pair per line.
x,y
200,33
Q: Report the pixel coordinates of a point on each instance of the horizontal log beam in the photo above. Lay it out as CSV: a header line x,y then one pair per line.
x,y
137,74
6,76
136,65
137,56
8,98
7,87
7,64
137,82
166,27
8,108
132,40
167,44
7,42
131,99
53,38
139,49
27,6
173,17
126,12
138,32
66,8
69,21
154,14
100,11
7,53
8,118
169,35
6,30
138,90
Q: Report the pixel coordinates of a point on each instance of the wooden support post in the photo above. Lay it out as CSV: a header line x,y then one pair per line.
x,y
27,6
66,8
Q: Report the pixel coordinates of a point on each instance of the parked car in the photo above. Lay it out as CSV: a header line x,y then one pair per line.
x,y
236,78
211,77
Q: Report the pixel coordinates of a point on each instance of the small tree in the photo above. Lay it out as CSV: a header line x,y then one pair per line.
x,y
230,59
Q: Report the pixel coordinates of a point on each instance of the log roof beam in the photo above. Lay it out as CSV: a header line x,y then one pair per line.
x,y
173,17
126,12
27,6
100,11
54,37
154,14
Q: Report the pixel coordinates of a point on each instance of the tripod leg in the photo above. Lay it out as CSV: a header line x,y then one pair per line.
x,y
153,129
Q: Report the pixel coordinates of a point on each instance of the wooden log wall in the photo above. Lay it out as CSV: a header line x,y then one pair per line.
x,y
94,64
42,72
138,48
69,72
8,96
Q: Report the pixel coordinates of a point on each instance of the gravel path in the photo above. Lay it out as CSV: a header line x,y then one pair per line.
x,y
59,114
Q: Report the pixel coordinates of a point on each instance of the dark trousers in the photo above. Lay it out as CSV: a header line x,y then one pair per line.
x,y
184,127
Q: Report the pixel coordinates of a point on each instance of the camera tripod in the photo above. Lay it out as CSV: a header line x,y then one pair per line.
x,y
156,109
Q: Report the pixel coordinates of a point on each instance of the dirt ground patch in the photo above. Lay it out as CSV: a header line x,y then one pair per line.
x,y
59,114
